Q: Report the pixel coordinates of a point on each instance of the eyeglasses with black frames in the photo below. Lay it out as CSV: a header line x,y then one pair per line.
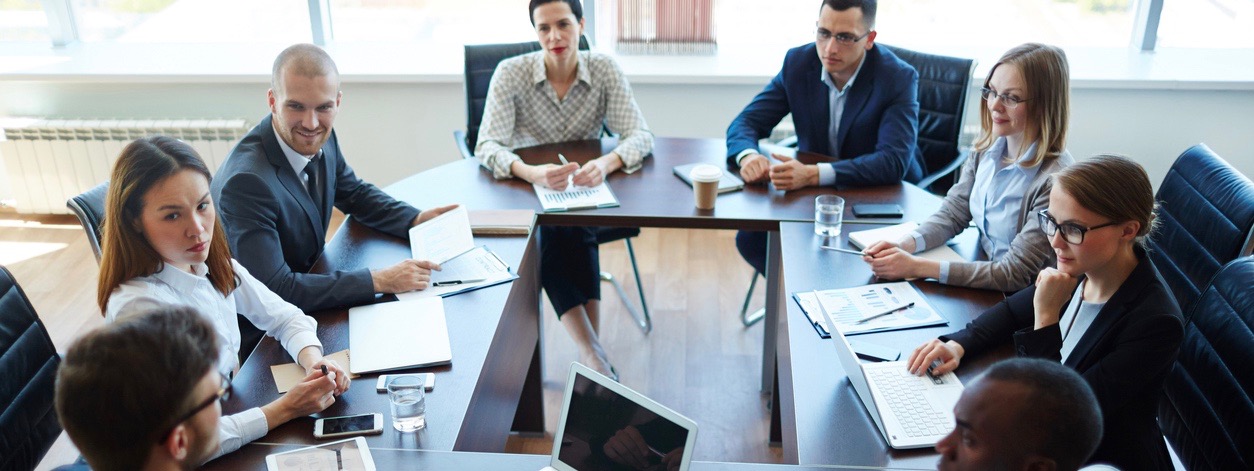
x,y
1007,100
822,35
1071,232
223,394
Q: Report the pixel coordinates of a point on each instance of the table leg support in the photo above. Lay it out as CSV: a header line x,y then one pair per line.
x,y
774,308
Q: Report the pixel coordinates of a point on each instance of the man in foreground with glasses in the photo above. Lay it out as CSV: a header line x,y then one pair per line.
x,y
1104,312
849,100
144,393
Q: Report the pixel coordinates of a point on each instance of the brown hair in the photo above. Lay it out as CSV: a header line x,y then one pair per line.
x,y
126,253
305,60
1046,76
1093,181
120,387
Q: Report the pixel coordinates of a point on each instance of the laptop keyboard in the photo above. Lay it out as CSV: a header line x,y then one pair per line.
x,y
904,393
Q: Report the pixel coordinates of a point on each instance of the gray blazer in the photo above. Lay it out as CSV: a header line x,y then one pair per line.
x,y
1029,251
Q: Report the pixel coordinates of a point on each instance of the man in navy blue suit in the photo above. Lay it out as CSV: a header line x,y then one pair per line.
x,y
849,100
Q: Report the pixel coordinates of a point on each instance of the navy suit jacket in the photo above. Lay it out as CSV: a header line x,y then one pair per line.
x,y
276,230
879,128
1124,356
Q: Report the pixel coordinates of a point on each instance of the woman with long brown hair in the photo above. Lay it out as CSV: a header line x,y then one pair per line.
x,y
1105,311
163,245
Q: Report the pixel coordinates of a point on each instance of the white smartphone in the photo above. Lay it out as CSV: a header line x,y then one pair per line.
x,y
382,384
364,424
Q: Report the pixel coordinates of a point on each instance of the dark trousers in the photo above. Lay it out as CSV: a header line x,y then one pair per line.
x,y
752,247
570,266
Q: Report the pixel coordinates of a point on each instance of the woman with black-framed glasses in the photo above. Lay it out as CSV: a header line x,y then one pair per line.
x,y
1002,184
1105,311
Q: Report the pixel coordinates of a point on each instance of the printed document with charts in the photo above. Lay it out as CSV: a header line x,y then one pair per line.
x,y
446,240
575,198
849,306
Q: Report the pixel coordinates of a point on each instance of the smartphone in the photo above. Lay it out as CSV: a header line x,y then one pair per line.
x,y
365,424
382,384
877,210
875,352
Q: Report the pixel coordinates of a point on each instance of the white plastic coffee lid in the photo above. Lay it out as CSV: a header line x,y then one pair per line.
x,y
706,173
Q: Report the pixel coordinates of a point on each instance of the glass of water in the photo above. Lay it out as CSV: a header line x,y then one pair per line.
x,y
828,210
409,403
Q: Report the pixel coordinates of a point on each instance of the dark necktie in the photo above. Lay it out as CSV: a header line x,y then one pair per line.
x,y
314,175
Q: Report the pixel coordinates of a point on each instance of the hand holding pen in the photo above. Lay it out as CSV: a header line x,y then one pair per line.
x,y
557,177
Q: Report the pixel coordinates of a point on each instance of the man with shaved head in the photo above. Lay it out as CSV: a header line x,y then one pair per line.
x,y
276,190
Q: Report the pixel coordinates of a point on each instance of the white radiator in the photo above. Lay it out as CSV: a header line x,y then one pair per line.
x,y
49,161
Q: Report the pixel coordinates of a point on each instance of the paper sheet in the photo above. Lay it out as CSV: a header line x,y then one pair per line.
x,y
864,239
350,455
477,264
849,305
289,375
442,237
576,197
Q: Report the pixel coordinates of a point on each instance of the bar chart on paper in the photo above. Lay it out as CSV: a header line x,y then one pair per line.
x,y
575,198
849,306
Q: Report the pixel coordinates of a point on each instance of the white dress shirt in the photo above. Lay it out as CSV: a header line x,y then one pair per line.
x,y
281,320
523,110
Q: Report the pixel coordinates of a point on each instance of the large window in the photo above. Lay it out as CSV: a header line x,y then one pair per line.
x,y
193,21
1207,23
431,22
22,20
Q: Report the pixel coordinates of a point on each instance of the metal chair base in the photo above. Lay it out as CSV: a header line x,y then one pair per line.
x,y
641,316
747,318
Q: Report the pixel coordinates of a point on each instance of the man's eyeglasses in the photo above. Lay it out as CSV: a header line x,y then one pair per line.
x,y
1071,232
821,35
1009,101
223,394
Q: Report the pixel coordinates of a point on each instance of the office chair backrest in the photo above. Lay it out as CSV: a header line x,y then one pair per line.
x,y
1205,213
943,85
481,62
28,422
89,207
1206,411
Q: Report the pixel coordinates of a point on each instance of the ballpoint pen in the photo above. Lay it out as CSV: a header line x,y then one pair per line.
x,y
838,249
563,159
885,313
457,282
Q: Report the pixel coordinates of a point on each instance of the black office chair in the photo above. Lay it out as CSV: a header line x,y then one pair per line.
x,y
28,422
481,62
90,209
1205,214
943,85
1206,411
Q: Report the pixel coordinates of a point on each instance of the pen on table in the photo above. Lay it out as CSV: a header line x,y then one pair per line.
x,y
838,249
885,313
457,282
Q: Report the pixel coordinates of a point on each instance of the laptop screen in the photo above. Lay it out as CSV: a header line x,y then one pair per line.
x,y
605,430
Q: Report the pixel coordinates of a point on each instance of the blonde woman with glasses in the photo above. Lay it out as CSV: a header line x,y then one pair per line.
x,y
1003,183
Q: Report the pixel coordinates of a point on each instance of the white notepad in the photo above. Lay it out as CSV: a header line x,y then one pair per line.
x,y
894,233
402,334
575,198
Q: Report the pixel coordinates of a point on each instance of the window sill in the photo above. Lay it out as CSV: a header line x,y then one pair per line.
x,y
1167,69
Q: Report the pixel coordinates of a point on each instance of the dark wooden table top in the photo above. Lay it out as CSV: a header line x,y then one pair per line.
x,y
652,196
493,333
823,420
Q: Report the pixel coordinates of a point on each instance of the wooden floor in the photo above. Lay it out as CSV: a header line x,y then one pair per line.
x,y
698,360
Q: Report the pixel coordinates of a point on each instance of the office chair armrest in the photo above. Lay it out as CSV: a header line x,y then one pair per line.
x,y
957,162
460,137
790,141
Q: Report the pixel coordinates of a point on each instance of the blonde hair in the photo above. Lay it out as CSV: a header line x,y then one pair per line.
x,y
126,252
1090,183
1046,76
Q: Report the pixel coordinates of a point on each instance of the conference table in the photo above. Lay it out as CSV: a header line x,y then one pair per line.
x,y
493,385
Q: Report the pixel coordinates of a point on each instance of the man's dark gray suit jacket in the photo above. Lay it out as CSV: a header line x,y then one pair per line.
x,y
276,230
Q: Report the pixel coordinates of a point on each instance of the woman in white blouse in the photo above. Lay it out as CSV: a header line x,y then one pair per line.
x,y
562,94
163,245
1002,185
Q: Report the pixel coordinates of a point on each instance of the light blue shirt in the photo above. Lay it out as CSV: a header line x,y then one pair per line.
x,y
836,98
995,202
1076,321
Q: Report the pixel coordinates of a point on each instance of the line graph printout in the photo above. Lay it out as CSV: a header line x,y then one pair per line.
x,y
574,198
850,305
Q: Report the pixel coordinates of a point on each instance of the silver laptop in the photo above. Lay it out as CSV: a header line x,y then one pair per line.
x,y
606,425
910,411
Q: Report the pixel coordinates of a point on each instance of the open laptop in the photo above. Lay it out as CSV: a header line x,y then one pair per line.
x,y
910,411
607,426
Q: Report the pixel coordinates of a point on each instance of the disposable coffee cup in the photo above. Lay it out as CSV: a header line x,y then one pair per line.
x,y
705,180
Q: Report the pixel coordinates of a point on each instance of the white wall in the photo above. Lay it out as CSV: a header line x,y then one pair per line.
x,y
391,130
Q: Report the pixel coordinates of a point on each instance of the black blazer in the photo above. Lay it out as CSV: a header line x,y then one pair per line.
x,y
1124,355
276,230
